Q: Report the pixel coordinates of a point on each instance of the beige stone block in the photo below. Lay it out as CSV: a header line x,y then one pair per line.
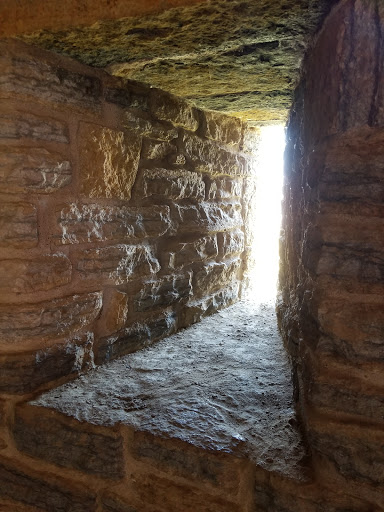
x,y
231,242
32,275
214,276
148,127
201,249
165,106
115,311
163,292
21,124
26,169
224,188
178,184
223,128
157,150
108,161
49,319
18,225
208,217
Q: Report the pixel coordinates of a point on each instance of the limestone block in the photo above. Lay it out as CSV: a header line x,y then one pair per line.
x,y
208,217
48,319
156,492
33,169
180,184
186,461
224,188
79,223
21,124
201,249
40,491
134,338
164,292
70,444
108,161
222,128
214,276
24,372
208,156
231,242
118,264
36,78
18,225
114,313
166,107
148,127
157,150
32,275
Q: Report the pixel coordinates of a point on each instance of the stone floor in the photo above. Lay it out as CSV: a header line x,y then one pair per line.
x,y
222,385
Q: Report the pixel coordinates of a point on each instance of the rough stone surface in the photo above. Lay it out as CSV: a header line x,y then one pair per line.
x,y
157,150
214,276
225,129
117,264
180,184
209,217
24,372
108,161
243,58
163,293
185,253
171,108
18,225
20,124
148,127
79,223
47,319
231,242
29,276
112,503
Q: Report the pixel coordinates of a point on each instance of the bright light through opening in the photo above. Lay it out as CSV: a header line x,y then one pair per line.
x,y
267,214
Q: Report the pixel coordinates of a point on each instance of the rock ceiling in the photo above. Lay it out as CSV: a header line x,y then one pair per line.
x,y
237,56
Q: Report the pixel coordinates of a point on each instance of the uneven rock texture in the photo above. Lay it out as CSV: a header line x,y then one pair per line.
x,y
331,308
238,57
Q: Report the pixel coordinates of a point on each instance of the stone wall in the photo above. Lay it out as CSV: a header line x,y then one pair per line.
x,y
121,218
332,291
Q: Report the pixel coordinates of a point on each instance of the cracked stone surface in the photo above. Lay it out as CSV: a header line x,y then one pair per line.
x,y
237,56
223,384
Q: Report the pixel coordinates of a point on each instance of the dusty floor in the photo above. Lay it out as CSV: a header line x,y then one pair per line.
x,y
223,384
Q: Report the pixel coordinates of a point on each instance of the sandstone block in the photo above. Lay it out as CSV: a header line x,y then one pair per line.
x,y
24,372
20,124
214,276
32,275
208,217
165,106
79,223
148,127
163,292
172,497
222,128
18,225
180,184
115,311
118,264
201,249
157,150
134,338
44,493
231,242
251,140
112,503
48,319
224,188
36,78
33,169
51,437
108,161
208,156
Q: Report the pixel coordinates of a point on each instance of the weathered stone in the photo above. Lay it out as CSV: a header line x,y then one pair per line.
x,y
36,78
185,253
186,461
157,150
118,263
251,140
163,292
113,503
48,319
230,243
209,217
26,169
29,276
24,372
165,106
222,128
172,497
214,276
114,312
148,127
108,161
224,188
208,156
70,444
45,493
18,225
21,124
81,223
180,184
134,338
